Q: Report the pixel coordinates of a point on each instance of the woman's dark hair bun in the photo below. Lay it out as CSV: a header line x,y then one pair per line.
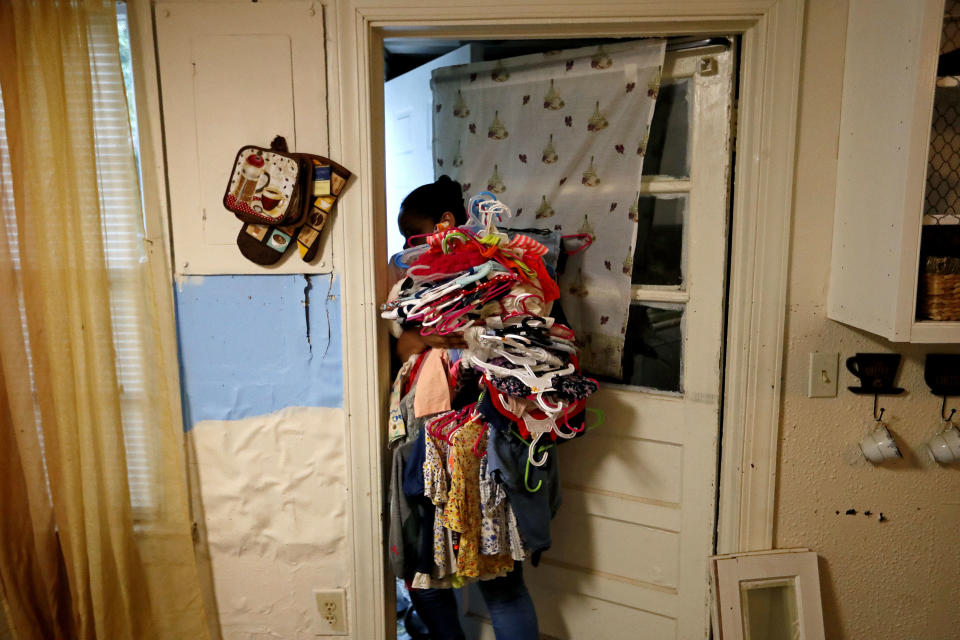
x,y
432,200
449,185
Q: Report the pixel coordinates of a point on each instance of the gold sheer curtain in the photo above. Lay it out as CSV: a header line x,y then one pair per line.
x,y
95,538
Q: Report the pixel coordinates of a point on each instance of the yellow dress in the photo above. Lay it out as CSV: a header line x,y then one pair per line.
x,y
462,511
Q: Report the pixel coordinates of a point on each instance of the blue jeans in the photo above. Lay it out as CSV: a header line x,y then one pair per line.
x,y
511,609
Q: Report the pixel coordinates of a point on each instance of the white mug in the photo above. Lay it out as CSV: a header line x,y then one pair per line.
x,y
945,446
878,446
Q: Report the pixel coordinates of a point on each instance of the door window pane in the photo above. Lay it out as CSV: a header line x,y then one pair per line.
x,y
658,257
652,353
668,145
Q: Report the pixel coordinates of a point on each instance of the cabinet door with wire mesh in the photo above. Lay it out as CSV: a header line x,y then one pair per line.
x,y
631,542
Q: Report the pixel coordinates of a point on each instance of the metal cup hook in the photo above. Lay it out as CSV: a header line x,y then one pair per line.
x,y
876,400
943,409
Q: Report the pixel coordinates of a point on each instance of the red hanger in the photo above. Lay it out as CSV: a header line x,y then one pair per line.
x,y
586,237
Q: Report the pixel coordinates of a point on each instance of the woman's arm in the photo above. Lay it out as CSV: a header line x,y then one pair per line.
x,y
411,342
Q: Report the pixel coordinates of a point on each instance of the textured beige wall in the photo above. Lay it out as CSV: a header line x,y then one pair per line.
x,y
891,580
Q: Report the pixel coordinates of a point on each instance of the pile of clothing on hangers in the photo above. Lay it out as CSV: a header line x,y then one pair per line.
x,y
474,482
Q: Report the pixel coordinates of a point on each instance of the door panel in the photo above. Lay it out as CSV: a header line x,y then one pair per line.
x,y
588,544
597,615
632,467
236,59
631,541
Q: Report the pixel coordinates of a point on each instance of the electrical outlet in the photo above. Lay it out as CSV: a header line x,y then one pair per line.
x,y
822,382
332,606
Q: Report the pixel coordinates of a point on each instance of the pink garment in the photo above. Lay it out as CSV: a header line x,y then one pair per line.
x,y
433,387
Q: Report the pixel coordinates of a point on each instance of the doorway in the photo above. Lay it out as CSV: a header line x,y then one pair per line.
x,y
638,520
771,36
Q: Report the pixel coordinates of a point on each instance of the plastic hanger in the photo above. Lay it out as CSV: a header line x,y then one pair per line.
x,y
445,318
435,424
475,274
543,356
600,418
543,425
446,241
404,259
521,354
536,383
438,424
463,418
562,332
526,479
448,433
587,241
574,432
531,453
520,306
547,407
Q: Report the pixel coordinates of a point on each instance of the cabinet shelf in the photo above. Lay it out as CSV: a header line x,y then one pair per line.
x,y
930,332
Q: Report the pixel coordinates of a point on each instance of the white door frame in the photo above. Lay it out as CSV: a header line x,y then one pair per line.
x,y
771,32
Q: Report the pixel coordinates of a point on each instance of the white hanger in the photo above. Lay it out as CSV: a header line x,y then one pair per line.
x,y
545,425
538,384
531,452
488,210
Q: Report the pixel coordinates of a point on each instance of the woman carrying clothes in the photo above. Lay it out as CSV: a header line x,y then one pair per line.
x,y
429,208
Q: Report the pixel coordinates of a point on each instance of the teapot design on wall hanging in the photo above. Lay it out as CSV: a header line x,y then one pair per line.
x,y
497,131
590,177
460,109
597,121
495,184
544,210
552,100
550,155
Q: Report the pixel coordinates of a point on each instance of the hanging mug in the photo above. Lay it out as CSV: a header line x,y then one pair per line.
x,y
879,446
945,446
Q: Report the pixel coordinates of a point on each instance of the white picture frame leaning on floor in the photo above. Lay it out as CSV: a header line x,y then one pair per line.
x,y
767,595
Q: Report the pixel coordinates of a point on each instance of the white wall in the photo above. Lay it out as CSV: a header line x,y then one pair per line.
x,y
408,135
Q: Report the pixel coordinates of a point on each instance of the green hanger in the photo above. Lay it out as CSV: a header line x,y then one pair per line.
x,y
526,480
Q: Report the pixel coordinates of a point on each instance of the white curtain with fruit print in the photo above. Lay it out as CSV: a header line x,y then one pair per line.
x,y
560,137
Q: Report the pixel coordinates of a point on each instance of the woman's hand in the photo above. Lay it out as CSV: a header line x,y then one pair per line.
x,y
412,342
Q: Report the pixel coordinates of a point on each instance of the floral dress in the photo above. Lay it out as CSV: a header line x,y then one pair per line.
x,y
498,527
462,512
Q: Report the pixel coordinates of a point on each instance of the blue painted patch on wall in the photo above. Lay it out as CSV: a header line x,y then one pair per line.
x,y
252,345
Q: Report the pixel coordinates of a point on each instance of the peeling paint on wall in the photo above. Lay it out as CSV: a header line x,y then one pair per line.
x,y
251,345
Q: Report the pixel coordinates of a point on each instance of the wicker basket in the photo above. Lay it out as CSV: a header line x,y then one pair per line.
x,y
940,296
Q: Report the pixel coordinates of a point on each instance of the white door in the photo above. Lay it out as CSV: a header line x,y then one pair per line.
x,y
408,135
631,541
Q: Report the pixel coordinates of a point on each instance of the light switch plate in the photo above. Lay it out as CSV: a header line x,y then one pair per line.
x,y
822,382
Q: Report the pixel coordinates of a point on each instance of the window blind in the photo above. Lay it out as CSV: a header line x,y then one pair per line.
x,y
122,224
